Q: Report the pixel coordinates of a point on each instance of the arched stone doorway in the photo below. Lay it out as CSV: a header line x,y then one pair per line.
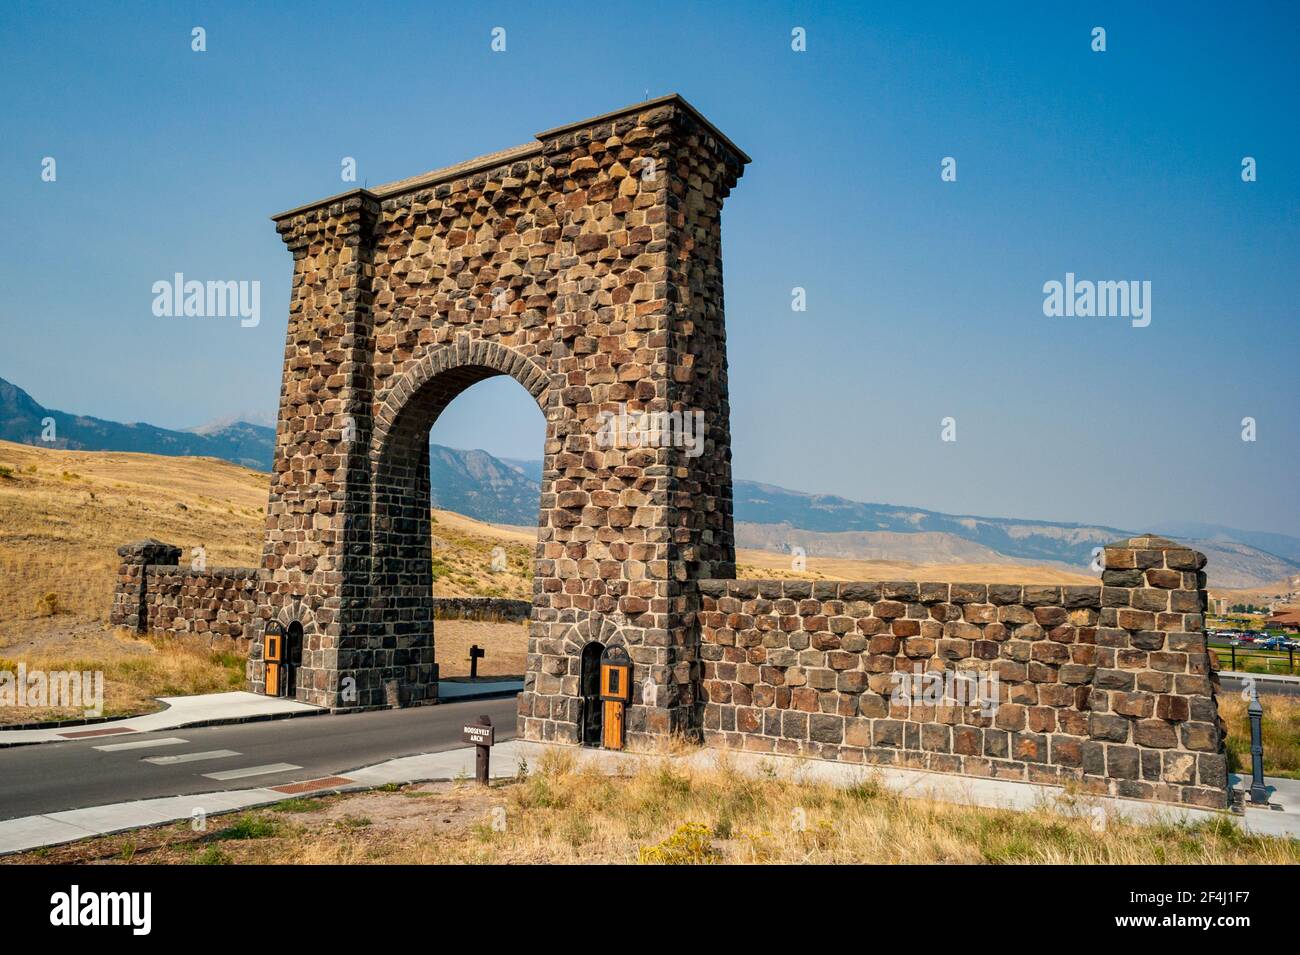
x,y
586,265
399,605
591,723
293,648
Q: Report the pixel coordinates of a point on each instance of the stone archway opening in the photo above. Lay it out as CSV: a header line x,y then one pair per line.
x,y
406,565
293,657
486,451
591,720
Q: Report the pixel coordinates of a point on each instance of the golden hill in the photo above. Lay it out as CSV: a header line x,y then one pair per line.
x,y
64,513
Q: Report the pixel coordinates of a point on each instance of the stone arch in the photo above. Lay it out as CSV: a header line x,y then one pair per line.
x,y
295,611
429,385
315,659
606,235
399,610
593,628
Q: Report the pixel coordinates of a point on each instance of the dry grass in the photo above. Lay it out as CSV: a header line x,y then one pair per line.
x,y
135,671
768,565
462,558
670,814
1281,733
63,515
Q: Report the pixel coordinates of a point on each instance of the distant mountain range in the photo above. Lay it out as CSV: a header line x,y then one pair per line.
x,y
24,421
505,491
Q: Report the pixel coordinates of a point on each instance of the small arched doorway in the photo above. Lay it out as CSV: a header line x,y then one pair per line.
x,y
292,659
592,720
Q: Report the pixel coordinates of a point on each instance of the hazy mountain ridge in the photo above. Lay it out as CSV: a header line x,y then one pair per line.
x,y
768,517
1029,540
476,484
22,420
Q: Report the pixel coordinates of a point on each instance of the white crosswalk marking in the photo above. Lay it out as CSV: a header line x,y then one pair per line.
x,y
189,757
252,771
142,744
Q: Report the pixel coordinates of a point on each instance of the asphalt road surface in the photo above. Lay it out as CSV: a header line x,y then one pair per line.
x,y
51,777
1265,687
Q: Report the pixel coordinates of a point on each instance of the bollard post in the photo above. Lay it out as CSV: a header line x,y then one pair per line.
x,y
483,753
1258,791
476,653
482,734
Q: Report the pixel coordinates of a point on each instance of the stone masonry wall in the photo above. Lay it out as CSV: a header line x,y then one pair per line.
x,y
155,595
492,609
1107,687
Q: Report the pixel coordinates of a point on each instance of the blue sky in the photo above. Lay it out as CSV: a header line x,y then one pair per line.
x,y
924,297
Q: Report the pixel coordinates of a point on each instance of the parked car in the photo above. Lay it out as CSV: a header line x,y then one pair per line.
x,y
1273,643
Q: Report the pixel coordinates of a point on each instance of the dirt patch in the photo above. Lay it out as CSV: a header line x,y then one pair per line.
x,y
505,646
65,636
669,814
373,823
428,808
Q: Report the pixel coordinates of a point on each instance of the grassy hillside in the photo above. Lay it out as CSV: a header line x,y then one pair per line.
x,y
64,513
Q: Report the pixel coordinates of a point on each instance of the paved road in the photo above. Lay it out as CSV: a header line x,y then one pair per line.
x,y
1265,687
51,777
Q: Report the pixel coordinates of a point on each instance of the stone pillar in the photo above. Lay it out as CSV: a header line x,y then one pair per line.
x,y
1154,728
317,550
130,608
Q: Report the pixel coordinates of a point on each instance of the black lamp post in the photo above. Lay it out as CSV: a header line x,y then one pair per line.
x,y
1258,792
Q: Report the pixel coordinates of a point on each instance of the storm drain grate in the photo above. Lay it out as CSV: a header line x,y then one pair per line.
x,y
311,785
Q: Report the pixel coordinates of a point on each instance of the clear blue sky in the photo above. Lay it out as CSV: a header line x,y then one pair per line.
x,y
924,297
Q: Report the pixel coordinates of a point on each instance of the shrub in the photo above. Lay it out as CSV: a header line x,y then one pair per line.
x,y
689,845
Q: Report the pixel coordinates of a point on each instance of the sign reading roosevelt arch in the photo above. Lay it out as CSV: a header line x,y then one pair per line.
x,y
587,266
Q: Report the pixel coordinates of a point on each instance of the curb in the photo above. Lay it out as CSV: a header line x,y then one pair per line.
x,y
84,721
190,724
225,720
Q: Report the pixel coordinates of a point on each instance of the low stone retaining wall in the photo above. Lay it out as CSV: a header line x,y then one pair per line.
x,y
155,595
493,609
1107,687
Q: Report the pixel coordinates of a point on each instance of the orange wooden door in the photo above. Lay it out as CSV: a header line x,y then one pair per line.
x,y
272,657
613,728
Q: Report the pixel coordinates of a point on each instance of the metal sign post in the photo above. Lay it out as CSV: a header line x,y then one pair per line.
x,y
1258,791
483,736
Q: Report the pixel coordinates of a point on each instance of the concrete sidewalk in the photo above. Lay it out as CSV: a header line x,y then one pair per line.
x,y
509,758
456,690
208,709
